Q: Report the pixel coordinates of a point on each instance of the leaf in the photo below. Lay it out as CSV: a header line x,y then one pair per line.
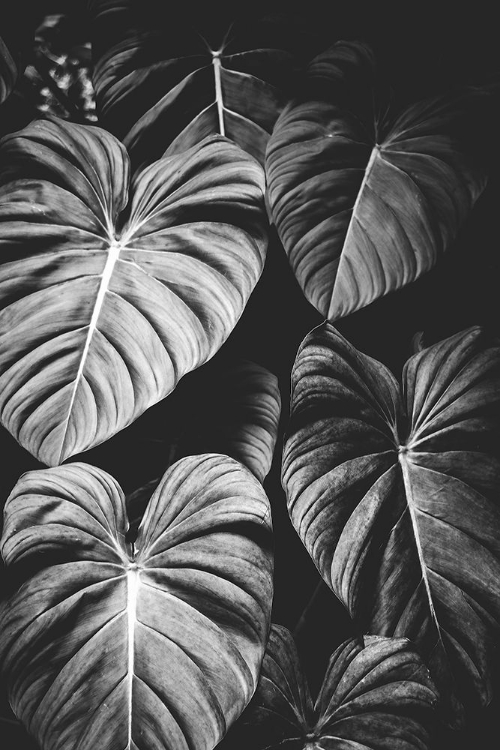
x,y
8,71
160,83
376,696
157,648
395,496
366,202
239,418
104,308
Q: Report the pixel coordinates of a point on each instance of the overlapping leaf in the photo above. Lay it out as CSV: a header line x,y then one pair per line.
x,y
160,84
395,495
161,648
239,419
366,202
375,696
8,71
105,306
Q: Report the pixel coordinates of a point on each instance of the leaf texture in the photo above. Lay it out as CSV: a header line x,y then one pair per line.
x,y
375,696
8,71
395,496
161,648
108,300
239,419
160,85
365,201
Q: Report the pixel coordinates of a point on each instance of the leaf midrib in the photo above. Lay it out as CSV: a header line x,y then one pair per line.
x,y
113,255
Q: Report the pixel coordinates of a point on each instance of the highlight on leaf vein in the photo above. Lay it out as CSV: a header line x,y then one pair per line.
x,y
109,294
393,490
105,644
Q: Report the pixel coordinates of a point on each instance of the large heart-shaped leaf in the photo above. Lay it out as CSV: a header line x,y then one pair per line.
x,y
104,309
375,696
161,648
239,419
364,202
160,83
395,495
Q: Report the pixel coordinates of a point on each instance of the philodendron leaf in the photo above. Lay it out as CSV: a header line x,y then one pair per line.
x,y
160,84
395,495
375,696
239,419
364,202
106,301
8,71
103,647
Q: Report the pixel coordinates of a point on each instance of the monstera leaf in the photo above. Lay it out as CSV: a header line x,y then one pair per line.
x,y
364,202
161,647
375,696
104,305
160,84
240,419
395,495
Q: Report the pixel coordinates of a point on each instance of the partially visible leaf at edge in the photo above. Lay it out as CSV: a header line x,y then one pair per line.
x,y
375,695
105,647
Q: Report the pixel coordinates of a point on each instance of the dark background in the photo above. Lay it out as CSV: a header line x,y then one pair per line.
x,y
424,50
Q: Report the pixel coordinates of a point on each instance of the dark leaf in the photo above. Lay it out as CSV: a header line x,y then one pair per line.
x,y
375,696
395,496
160,84
105,308
104,647
364,201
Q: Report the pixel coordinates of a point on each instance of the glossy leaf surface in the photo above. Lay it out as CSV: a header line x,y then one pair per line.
x,y
365,201
375,696
161,85
161,648
395,495
107,301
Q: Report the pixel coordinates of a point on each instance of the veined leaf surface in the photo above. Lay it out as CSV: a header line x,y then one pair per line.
x,y
395,496
106,301
365,202
160,85
161,648
375,696
8,71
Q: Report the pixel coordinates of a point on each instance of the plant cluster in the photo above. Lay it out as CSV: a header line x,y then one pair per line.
x,y
195,210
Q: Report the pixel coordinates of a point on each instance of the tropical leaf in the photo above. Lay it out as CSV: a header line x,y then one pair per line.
x,y
395,496
375,696
8,71
104,307
239,419
160,647
364,201
161,85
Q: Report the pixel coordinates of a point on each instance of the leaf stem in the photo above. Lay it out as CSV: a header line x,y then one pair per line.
x,y
307,609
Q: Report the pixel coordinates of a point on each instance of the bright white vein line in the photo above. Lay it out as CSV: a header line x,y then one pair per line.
x,y
113,254
218,90
132,588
